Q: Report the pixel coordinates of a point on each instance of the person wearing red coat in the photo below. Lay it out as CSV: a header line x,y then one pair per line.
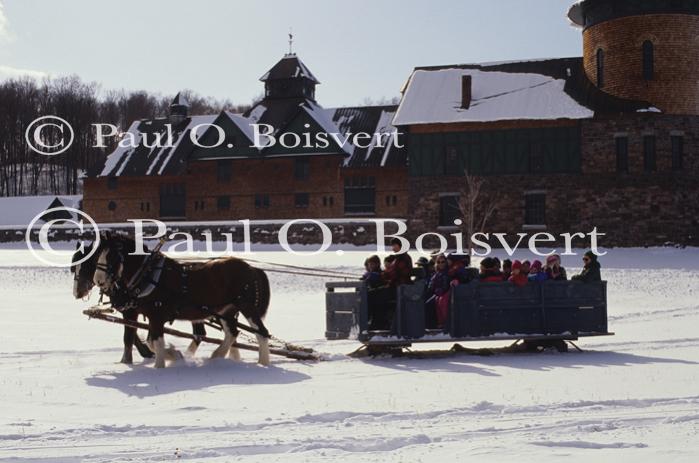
x,y
518,277
399,271
490,271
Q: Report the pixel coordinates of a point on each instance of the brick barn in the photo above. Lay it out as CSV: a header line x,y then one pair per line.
x,y
236,180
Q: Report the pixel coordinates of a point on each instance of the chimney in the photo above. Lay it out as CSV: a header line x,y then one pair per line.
x,y
466,91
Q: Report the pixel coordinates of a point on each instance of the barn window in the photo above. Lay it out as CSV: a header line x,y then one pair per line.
x,y
649,155
448,209
648,60
677,152
600,68
112,206
224,170
535,209
360,195
622,155
223,203
301,200
112,183
301,169
261,201
536,159
451,161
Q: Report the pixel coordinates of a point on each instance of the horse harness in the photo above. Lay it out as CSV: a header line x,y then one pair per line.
x,y
148,278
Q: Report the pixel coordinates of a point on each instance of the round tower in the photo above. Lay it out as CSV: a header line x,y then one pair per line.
x,y
644,50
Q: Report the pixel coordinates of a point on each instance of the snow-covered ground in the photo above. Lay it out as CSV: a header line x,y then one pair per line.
x,y
631,397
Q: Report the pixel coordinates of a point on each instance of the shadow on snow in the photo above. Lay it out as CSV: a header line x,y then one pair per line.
x,y
146,381
463,362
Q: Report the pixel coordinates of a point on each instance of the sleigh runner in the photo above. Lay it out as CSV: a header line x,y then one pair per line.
x,y
277,346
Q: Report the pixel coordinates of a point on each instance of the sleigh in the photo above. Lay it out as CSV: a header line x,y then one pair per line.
x,y
539,314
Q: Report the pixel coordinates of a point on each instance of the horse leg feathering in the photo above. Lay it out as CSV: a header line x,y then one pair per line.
x,y
156,340
199,331
262,341
228,339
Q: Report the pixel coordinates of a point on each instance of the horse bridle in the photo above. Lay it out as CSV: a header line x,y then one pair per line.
x,y
111,268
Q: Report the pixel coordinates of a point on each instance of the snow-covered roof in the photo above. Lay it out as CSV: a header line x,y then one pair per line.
x,y
289,67
381,150
118,158
434,96
539,89
21,210
150,159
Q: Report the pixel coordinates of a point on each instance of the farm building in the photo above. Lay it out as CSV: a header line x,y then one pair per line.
x,y
607,140
239,179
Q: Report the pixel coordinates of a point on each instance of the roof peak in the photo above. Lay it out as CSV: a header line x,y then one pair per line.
x,y
289,66
179,100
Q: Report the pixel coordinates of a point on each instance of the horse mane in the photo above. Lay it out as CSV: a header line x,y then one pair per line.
x,y
127,241
128,246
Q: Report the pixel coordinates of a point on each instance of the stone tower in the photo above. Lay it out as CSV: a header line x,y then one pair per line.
x,y
644,50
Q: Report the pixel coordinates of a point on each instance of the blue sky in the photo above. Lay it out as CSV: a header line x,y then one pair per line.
x,y
359,49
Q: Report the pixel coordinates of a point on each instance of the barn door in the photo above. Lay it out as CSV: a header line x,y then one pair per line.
x,y
172,200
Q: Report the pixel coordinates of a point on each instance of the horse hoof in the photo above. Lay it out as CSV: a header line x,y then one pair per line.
x,y
126,361
234,354
159,365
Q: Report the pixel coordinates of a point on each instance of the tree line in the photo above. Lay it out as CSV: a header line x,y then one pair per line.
x,y
22,100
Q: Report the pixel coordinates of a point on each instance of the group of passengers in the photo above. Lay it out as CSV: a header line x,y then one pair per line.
x,y
444,271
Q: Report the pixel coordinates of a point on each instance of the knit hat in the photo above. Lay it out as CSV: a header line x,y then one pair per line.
x,y
536,266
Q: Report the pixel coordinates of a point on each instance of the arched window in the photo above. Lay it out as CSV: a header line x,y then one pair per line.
x,y
648,60
600,68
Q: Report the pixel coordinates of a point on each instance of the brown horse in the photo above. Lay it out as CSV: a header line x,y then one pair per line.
x,y
83,269
164,290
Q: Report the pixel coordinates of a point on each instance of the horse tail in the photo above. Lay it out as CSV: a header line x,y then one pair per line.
x,y
264,292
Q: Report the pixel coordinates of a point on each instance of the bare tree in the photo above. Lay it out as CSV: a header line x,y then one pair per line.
x,y
22,100
477,204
